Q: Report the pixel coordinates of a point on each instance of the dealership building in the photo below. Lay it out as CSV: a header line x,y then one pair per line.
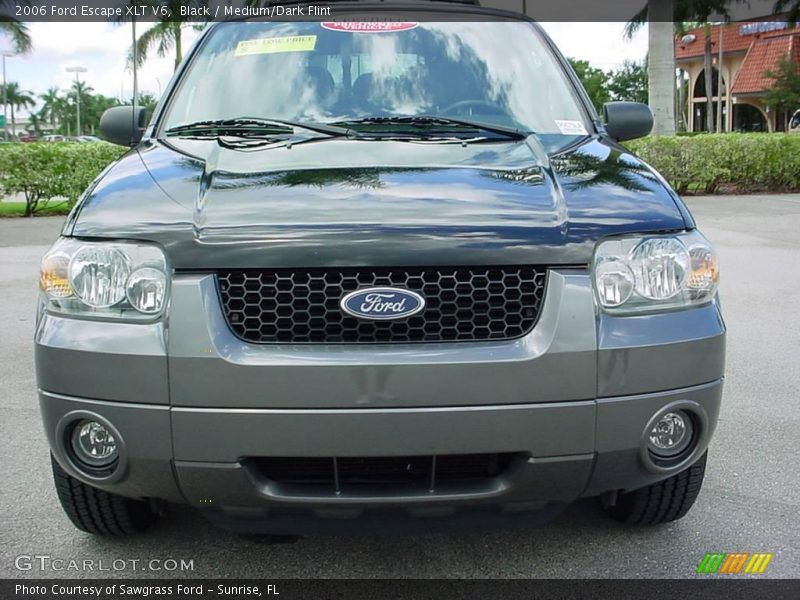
x,y
748,49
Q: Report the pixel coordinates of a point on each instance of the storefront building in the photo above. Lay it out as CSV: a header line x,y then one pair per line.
x,y
748,50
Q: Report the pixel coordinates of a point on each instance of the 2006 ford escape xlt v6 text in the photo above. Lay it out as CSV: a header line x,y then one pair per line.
x,y
375,272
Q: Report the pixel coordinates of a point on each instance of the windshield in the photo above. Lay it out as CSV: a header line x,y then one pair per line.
x,y
490,72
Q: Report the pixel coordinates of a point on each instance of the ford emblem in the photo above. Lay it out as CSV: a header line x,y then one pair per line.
x,y
382,303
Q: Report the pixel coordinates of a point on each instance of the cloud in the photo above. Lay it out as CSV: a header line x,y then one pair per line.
x,y
602,44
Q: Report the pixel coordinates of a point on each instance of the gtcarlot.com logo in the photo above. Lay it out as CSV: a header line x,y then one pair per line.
x,y
734,563
45,562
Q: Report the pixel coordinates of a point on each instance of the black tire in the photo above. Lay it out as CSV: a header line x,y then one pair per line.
x,y
661,502
98,512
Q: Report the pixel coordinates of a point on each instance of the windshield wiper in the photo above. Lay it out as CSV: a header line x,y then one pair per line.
x,y
253,126
433,122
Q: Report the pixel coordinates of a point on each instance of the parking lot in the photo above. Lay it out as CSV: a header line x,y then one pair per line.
x,y
749,502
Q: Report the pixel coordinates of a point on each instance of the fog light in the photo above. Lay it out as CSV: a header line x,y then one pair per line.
x,y
93,444
671,434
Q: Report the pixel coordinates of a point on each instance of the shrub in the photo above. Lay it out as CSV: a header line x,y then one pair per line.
x,y
743,161
46,171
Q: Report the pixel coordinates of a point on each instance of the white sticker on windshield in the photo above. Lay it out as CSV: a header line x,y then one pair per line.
x,y
571,127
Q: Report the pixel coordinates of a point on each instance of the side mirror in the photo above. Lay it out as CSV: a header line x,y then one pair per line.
x,y
123,125
627,120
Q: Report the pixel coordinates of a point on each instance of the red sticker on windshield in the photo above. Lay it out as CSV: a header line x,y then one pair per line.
x,y
369,26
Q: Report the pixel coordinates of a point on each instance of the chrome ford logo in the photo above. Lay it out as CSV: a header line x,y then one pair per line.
x,y
382,303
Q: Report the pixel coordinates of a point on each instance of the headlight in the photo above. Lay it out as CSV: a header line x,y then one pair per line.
x,y
105,280
639,274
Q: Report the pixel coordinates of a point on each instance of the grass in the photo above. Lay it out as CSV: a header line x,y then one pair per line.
x,y
17,209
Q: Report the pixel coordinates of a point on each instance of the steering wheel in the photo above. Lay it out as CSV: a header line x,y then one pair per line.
x,y
458,107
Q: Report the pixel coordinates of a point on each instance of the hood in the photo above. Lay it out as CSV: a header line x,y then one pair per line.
x,y
376,203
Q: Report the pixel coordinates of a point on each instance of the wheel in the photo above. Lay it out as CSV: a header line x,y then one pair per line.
x,y
661,502
99,512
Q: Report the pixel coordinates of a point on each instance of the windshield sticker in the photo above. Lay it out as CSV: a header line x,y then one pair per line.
x,y
369,26
293,43
571,127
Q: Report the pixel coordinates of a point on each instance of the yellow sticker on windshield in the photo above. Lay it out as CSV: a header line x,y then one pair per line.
x,y
292,43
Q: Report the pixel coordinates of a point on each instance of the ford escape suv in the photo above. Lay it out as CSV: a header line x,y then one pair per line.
x,y
377,271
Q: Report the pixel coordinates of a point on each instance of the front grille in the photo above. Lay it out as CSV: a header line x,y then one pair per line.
x,y
302,306
352,473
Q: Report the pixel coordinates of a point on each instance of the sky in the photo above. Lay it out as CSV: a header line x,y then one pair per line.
x,y
102,49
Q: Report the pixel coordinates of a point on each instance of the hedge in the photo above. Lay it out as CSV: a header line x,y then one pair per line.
x,y
731,162
47,172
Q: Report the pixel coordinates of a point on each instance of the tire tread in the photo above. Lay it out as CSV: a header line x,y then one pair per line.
x,y
99,512
661,502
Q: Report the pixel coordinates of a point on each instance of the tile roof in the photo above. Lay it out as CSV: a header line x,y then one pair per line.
x,y
763,55
733,38
731,42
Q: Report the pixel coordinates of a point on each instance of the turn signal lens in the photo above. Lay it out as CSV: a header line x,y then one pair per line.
x,y
54,276
704,269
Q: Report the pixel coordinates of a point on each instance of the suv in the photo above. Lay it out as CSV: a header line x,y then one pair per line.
x,y
384,271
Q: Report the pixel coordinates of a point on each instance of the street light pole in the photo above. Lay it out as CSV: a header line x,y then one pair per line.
x,y
5,97
77,71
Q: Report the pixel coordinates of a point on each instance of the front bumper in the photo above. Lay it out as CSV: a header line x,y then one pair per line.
x,y
573,398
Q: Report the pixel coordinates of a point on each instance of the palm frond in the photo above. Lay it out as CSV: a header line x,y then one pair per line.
x,y
18,34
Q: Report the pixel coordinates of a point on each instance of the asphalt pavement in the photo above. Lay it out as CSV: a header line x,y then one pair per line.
x,y
749,502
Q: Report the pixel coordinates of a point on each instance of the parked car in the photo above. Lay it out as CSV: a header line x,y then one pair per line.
x,y
27,139
54,138
396,279
794,123
88,139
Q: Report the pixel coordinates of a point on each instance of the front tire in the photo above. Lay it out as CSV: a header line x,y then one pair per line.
x,y
661,502
98,512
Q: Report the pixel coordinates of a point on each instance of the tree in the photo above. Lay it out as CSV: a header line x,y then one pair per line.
x,y
82,91
18,34
96,105
791,7
147,101
629,82
16,99
51,105
594,80
36,120
785,91
660,14
164,36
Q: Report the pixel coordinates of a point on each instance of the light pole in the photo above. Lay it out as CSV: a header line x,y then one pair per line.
x,y
77,71
5,97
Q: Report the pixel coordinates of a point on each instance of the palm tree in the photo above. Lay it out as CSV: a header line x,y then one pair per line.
x,y
661,66
51,105
17,99
36,121
164,35
661,16
18,34
792,8
80,91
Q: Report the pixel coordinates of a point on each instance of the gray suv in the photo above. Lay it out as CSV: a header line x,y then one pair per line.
x,y
374,273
